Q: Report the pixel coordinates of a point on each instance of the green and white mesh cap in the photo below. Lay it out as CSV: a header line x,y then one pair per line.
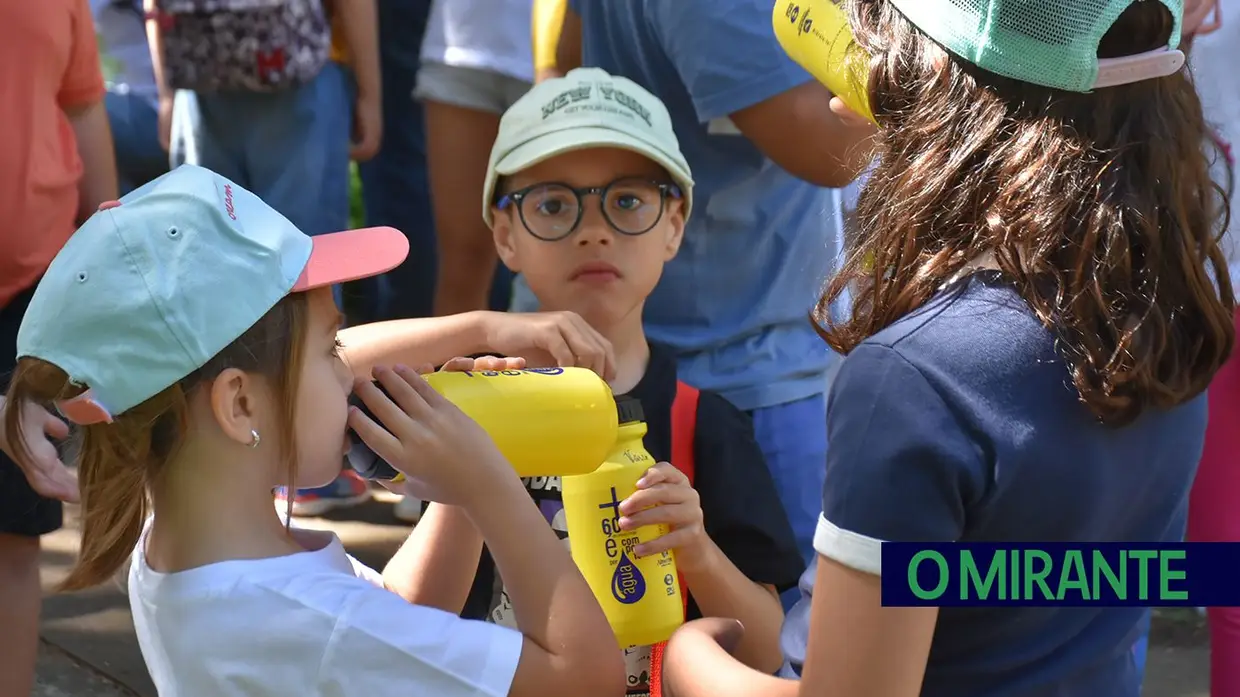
x,y
1052,43
587,108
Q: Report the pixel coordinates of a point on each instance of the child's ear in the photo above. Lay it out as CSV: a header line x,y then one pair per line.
x,y
235,398
675,216
501,232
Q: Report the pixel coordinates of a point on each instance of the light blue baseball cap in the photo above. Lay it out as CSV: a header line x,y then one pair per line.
x,y
153,286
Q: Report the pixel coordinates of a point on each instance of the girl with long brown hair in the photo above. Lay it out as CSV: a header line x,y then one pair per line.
x,y
1039,303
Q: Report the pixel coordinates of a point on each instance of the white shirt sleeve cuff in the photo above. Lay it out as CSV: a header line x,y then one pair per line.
x,y
502,661
851,549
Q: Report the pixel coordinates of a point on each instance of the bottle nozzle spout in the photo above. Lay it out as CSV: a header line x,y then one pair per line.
x,y
629,410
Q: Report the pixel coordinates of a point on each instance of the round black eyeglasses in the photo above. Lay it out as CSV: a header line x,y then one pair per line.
x,y
552,211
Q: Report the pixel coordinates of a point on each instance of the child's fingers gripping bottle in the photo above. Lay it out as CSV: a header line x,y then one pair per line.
x,y
815,34
640,596
545,421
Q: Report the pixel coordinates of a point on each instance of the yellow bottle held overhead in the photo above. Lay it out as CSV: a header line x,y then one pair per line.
x,y
640,595
546,421
815,34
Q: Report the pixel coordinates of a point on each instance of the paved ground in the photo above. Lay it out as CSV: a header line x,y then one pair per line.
x,y
89,649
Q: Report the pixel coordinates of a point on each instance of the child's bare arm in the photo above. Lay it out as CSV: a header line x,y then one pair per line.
x,y
568,648
414,342
564,336
698,663
94,145
437,564
721,590
565,654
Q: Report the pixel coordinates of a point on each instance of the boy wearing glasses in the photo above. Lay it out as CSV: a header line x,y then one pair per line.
x,y
587,195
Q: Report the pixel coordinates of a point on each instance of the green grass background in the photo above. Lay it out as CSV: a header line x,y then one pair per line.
x,y
357,214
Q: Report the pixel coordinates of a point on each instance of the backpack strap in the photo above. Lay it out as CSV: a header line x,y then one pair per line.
x,y
684,428
684,438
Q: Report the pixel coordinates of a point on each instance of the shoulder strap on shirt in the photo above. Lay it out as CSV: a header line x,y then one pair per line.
x,y
684,438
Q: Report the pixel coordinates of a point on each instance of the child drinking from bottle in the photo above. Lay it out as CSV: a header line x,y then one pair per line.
x,y
1040,303
190,331
587,196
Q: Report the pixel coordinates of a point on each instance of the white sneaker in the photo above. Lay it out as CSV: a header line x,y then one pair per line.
x,y
408,509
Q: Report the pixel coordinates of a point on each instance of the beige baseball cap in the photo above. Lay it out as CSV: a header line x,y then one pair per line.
x,y
587,108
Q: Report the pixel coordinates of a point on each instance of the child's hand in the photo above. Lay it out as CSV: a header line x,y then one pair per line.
x,y
443,453
44,471
1196,12
664,496
705,644
564,337
847,115
461,365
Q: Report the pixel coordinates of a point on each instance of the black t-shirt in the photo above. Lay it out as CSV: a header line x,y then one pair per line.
x,y
741,510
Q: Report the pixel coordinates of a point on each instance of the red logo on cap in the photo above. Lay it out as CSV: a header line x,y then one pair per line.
x,y
228,202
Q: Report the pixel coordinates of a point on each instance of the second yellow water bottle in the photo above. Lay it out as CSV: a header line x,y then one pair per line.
x,y
815,34
640,595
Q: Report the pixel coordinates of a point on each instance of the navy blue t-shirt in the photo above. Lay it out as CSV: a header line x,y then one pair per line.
x,y
959,422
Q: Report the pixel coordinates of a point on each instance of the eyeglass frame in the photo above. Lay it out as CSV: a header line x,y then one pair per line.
x,y
666,190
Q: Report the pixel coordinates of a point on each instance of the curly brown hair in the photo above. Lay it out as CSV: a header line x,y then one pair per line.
x,y
1098,208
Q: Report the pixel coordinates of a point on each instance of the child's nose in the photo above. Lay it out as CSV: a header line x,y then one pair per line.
x,y
594,228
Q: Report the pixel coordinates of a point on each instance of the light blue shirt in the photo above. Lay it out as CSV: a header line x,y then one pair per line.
x,y
734,303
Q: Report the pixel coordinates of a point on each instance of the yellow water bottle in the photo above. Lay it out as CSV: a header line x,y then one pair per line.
x,y
640,596
815,34
546,421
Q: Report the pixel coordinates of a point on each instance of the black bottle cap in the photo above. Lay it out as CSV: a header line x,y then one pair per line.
x,y
629,409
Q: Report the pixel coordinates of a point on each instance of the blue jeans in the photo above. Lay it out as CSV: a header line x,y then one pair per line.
x,y
135,137
793,437
395,191
1142,648
290,148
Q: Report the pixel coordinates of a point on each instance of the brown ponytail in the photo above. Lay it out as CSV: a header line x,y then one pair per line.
x,y
119,463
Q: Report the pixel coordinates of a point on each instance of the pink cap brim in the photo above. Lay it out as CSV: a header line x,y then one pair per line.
x,y
83,410
340,257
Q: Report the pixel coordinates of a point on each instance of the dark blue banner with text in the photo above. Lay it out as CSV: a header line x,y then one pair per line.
x,y
1068,575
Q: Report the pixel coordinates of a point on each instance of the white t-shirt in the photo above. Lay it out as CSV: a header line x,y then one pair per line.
x,y
482,34
1214,60
314,623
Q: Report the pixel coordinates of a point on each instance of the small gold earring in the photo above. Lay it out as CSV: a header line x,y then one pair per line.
x,y
255,439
